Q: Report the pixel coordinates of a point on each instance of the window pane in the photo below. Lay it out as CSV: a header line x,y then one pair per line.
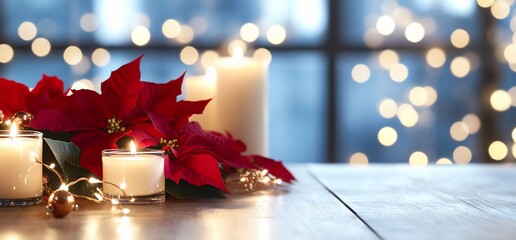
x,y
297,107
424,127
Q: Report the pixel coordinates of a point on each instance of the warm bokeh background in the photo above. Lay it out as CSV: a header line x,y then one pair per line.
x,y
419,81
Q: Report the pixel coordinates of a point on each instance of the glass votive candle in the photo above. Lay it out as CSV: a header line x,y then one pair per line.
x,y
21,176
140,174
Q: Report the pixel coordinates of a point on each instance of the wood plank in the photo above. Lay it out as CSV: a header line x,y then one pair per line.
x,y
434,202
305,210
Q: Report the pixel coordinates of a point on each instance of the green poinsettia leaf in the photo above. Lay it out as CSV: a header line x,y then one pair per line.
x,y
184,190
66,156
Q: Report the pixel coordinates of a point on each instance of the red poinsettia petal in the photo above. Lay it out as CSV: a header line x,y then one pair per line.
x,y
162,125
94,105
198,170
63,120
185,109
47,93
173,170
92,143
276,168
160,98
227,150
121,90
145,135
13,97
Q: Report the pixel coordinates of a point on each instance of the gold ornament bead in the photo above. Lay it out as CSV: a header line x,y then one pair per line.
x,y
22,118
62,203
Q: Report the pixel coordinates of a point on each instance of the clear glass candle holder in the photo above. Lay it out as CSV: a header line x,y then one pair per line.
x,y
140,174
21,176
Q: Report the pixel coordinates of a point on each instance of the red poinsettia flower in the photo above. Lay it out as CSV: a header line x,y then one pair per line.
x,y
99,120
12,97
48,93
16,97
195,155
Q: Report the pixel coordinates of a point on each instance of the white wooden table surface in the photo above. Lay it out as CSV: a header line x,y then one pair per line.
x,y
327,202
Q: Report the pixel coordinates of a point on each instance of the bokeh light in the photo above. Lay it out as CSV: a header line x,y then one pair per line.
x,y
249,32
372,38
497,150
462,155
431,96
388,108
140,35
509,53
418,96
276,34
407,115
360,73
358,159
189,55
500,100
514,134
514,150
72,55
444,161
459,38
82,67
415,32
387,58
208,58
263,54
460,67
88,22
186,35
41,47
500,9
435,57
27,31
399,72
459,131
485,3
100,57
512,93
387,136
171,28
6,53
385,25
418,159
83,84
403,16
473,122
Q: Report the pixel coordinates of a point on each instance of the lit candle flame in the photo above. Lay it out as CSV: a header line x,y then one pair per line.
x,y
14,130
132,148
238,52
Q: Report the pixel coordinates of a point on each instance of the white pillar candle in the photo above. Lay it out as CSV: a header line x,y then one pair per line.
x,y
20,175
242,100
201,88
139,173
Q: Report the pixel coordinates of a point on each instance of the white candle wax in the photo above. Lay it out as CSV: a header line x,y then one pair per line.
x,y
139,174
202,88
242,101
20,174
